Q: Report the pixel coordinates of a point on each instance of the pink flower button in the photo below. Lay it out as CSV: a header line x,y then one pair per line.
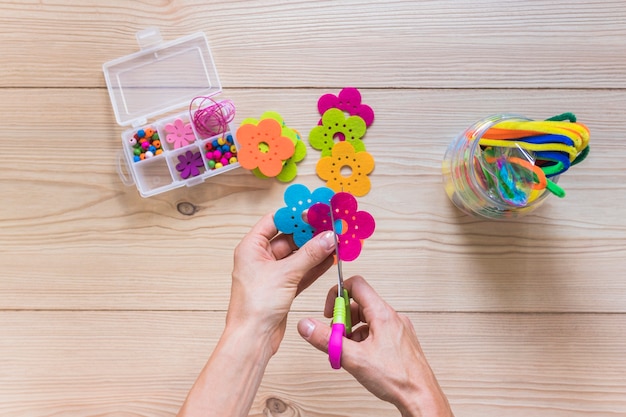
x,y
349,101
352,226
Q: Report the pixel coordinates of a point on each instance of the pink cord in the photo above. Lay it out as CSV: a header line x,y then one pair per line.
x,y
213,119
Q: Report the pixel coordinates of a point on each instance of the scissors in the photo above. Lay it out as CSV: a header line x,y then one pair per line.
x,y
342,322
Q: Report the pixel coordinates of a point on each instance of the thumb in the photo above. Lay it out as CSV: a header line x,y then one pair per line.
x,y
315,332
312,253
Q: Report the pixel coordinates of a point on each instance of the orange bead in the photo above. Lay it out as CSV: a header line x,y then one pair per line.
x,y
142,156
149,132
156,143
158,152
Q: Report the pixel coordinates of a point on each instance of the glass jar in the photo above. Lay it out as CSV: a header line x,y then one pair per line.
x,y
466,182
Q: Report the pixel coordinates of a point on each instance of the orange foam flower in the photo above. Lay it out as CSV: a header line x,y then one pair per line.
x,y
263,147
359,165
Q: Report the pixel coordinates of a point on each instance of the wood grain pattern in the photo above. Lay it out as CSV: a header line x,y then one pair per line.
x,y
445,44
110,303
142,363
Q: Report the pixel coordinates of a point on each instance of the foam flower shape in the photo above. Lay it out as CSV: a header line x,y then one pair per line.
x,y
344,157
298,199
349,101
189,164
335,123
352,226
264,147
290,170
179,133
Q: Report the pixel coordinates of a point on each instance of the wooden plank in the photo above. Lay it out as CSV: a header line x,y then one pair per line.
x,y
403,44
142,363
73,236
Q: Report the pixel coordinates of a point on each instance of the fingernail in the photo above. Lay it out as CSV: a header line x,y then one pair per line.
x,y
306,327
328,240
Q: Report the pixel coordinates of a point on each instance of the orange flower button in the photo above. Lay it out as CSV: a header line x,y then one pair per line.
x,y
263,147
346,170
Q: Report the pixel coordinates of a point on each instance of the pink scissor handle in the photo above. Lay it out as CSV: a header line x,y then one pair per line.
x,y
334,344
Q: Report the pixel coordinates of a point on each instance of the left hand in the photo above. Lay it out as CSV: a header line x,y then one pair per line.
x,y
269,272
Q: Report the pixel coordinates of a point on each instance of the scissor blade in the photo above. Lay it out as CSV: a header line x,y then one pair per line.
x,y
339,269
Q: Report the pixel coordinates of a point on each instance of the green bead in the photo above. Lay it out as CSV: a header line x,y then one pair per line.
x,y
137,151
211,164
155,136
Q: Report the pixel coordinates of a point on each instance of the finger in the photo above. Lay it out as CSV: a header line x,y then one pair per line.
x,y
265,227
364,295
356,314
360,333
311,254
315,332
311,276
283,246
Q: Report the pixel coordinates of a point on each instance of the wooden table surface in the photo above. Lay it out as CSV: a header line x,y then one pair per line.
x,y
110,303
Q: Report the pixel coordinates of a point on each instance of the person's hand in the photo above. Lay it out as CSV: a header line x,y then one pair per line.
x,y
382,353
268,273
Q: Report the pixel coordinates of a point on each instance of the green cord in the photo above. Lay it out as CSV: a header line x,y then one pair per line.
x,y
563,116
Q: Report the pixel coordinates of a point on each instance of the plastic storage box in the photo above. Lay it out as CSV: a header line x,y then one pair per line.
x,y
159,79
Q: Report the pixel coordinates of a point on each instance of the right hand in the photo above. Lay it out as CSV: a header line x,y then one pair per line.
x,y
382,352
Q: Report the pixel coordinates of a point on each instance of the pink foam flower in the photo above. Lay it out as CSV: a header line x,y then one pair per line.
x,y
348,100
352,226
179,134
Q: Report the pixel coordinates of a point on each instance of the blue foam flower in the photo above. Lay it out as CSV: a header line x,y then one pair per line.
x,y
299,198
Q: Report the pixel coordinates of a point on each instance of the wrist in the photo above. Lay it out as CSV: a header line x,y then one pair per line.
x,y
428,403
424,399
246,343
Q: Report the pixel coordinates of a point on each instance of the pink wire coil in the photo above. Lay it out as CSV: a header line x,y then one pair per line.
x,y
212,119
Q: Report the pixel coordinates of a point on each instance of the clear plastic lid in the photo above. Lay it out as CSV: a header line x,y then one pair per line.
x,y
161,77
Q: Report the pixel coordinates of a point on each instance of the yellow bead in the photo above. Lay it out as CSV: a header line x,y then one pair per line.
x,y
221,141
232,160
218,165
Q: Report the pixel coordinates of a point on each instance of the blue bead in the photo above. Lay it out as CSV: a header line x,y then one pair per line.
x,y
225,148
215,144
136,158
141,133
229,138
152,149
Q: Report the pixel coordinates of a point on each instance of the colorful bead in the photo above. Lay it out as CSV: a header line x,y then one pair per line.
x,y
215,144
233,149
211,164
217,154
227,155
218,165
232,160
221,141
208,146
225,148
224,161
145,144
